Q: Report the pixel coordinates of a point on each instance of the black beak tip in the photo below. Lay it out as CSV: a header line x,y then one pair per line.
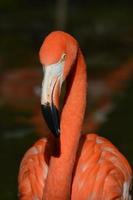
x,y
51,116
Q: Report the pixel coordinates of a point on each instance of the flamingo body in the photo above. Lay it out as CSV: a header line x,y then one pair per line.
x,y
101,171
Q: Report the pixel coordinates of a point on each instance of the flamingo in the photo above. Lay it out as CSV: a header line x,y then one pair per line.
x,y
68,164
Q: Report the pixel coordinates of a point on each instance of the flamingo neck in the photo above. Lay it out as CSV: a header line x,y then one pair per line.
x,y
58,183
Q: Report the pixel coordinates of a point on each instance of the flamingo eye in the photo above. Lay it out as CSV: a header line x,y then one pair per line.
x,y
63,57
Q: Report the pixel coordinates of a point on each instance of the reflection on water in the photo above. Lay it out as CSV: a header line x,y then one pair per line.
x,y
105,36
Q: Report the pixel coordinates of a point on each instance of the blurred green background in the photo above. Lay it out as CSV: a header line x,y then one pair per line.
x,y
105,33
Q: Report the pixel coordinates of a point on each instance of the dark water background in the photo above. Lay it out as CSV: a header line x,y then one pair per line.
x,y
105,33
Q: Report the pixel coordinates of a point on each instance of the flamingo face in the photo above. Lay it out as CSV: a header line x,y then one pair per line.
x,y
51,87
57,58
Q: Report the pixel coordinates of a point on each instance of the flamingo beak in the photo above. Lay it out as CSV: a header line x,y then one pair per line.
x,y
51,87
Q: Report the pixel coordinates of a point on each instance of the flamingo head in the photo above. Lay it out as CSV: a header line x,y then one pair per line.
x,y
57,56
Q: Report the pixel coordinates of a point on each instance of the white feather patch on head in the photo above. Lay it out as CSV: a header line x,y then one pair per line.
x,y
51,74
126,187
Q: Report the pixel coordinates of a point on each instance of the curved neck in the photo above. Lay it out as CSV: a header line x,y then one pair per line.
x,y
58,183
